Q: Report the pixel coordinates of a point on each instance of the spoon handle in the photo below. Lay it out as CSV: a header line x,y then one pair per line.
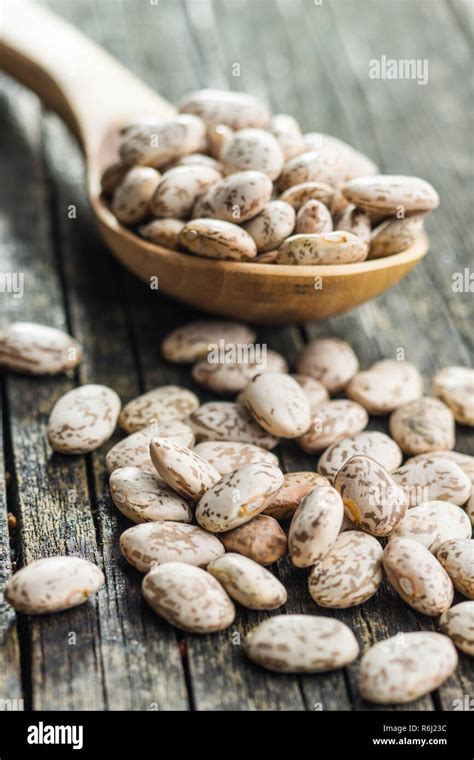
x,y
87,87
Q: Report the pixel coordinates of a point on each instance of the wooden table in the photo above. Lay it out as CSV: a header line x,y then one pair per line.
x,y
307,59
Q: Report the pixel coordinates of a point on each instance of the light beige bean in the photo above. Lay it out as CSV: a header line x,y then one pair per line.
x,y
297,195
331,361
353,162
38,349
417,576
431,479
423,425
313,218
405,667
179,189
395,236
433,523
324,248
112,177
253,149
387,195
236,199
191,342
455,386
134,450
53,584
315,391
312,166
131,199
216,239
274,223
188,598
278,403
228,421
218,135
227,456
296,485
163,405
355,221
183,470
301,644
200,159
233,375
235,109
464,461
159,143
164,232
155,543
83,419
372,498
248,582
288,133
457,557
458,624
262,539
377,446
349,574
332,421
387,385
143,497
238,497
315,526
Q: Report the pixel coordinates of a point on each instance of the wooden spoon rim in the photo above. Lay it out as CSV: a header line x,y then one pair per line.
x,y
199,263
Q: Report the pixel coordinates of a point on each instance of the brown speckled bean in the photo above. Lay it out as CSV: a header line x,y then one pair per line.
x,y
164,232
191,342
234,109
83,419
385,195
163,405
250,149
297,195
231,376
315,526
395,236
331,361
387,385
324,248
35,349
332,421
217,239
262,539
433,523
458,624
315,391
227,456
313,218
131,199
296,486
430,479
160,142
248,582
179,189
457,558
455,386
274,223
183,470
143,497
236,199
278,403
228,421
134,450
353,220
422,426
375,445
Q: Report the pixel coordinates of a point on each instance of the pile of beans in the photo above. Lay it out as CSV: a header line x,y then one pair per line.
x,y
213,510
227,180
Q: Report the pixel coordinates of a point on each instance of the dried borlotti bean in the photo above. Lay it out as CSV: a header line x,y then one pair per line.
x,y
324,248
377,446
405,667
134,450
332,421
457,558
433,523
458,624
131,199
234,109
83,419
142,497
385,195
313,218
248,582
238,497
228,421
274,223
395,236
353,162
353,220
278,403
422,426
464,461
372,498
229,377
433,479
349,574
262,539
331,361
188,598
179,189
158,143
200,159
183,470
312,166
155,543
112,177
455,386
296,485
53,584
227,456
217,239
252,149
191,342
162,406
236,199
164,232
301,644
315,391
297,195
218,135
288,133
38,349
387,385
315,526
417,576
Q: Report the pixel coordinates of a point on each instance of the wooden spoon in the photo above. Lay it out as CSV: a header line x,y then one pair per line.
x,y
95,94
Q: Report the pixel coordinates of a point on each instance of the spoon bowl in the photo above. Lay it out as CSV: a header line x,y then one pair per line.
x,y
95,94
